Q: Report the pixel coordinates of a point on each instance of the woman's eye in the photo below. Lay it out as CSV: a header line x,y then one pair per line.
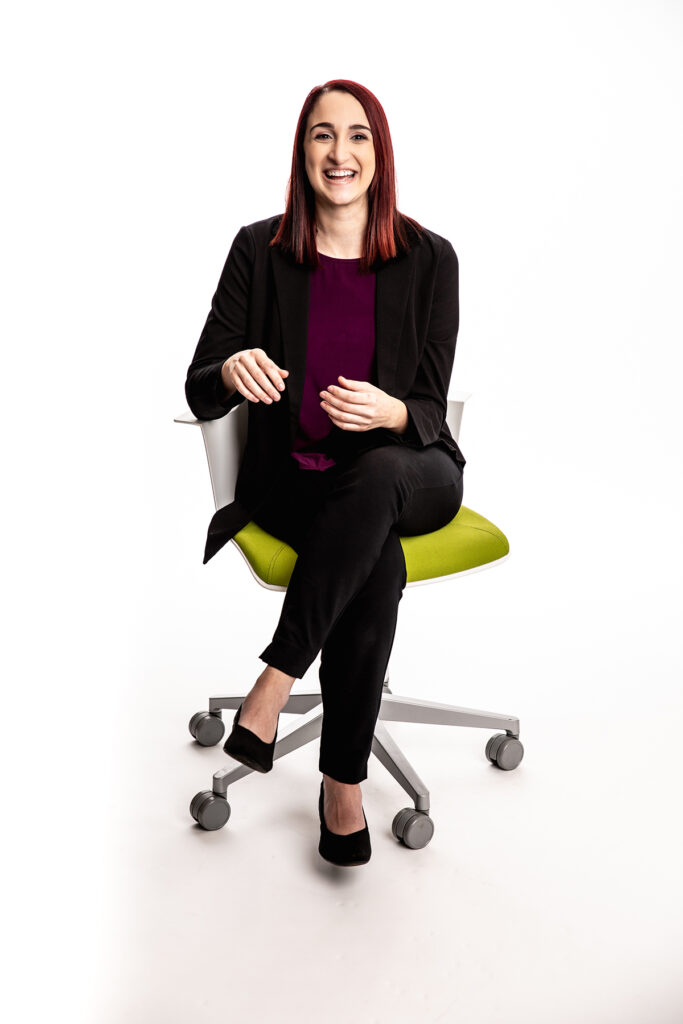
x,y
325,135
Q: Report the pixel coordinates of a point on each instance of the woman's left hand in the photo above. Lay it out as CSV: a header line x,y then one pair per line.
x,y
359,405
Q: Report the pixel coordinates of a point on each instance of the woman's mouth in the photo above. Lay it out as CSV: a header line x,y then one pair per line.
x,y
339,179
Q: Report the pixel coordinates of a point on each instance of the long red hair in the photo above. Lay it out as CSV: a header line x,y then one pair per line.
x,y
388,231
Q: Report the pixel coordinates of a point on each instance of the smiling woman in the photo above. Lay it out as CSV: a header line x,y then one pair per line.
x,y
343,154
340,164
337,321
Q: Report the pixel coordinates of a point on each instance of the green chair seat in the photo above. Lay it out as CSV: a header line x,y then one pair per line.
x,y
468,542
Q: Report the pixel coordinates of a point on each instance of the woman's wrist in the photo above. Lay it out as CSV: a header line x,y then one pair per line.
x,y
399,419
226,377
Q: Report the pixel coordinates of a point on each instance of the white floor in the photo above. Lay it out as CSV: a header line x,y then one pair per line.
x,y
549,893
552,892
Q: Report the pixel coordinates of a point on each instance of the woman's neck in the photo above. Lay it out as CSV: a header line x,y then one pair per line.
x,y
341,233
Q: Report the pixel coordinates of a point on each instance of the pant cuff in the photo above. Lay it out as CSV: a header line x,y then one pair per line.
x,y
341,774
287,658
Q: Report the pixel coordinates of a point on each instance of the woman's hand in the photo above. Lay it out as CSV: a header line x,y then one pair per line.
x,y
359,405
254,374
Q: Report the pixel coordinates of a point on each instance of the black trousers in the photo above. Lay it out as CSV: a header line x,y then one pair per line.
x,y
342,600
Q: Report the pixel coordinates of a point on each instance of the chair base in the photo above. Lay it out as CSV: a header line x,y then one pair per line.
x,y
392,709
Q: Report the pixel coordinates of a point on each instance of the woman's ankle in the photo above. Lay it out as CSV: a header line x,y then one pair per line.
x,y
340,788
275,681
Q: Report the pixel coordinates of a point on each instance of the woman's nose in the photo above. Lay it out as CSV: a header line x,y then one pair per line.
x,y
339,151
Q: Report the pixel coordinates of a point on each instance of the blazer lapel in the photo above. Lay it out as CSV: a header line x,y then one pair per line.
x,y
292,290
393,286
292,287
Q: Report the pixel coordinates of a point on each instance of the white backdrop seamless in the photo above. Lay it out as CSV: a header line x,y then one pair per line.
x,y
542,139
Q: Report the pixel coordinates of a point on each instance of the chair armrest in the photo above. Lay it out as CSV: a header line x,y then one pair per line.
x,y
454,410
224,441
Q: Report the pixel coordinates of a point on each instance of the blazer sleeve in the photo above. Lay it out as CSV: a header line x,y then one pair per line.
x,y
427,399
224,333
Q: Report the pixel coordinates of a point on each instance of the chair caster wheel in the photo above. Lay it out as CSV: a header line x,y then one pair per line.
x,y
207,727
413,828
210,810
504,751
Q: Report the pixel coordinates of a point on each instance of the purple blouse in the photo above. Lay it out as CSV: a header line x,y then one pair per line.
x,y
341,340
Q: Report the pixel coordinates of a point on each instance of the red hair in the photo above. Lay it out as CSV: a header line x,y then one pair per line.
x,y
388,230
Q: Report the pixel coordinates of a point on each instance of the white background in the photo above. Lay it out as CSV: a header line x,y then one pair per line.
x,y
543,140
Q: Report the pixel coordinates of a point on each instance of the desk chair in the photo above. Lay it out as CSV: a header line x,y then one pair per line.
x,y
465,545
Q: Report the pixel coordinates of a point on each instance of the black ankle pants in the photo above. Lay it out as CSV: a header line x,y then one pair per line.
x,y
342,600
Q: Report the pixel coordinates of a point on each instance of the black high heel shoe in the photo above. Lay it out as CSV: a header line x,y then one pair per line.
x,y
348,850
246,747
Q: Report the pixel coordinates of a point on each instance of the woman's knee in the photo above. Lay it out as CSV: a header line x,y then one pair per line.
x,y
430,509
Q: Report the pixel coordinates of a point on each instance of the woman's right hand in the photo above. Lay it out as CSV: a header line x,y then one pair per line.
x,y
254,374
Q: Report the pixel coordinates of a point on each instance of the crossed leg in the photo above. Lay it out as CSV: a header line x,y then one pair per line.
x,y
344,592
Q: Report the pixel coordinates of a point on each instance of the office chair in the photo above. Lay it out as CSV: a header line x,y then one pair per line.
x,y
467,544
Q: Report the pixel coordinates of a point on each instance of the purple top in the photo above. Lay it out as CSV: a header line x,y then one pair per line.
x,y
341,340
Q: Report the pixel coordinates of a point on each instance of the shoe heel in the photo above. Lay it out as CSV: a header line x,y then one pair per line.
x,y
246,747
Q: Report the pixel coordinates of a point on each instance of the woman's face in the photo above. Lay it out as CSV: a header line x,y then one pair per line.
x,y
338,137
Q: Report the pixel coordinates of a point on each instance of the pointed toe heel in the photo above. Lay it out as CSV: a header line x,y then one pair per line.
x,y
246,747
345,851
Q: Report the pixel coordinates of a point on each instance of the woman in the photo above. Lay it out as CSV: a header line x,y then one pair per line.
x,y
337,322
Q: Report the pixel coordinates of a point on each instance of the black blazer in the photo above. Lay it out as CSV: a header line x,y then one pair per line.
x,y
262,302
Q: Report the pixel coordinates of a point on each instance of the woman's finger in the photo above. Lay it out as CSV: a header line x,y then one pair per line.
x,y
276,374
339,417
260,382
241,384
